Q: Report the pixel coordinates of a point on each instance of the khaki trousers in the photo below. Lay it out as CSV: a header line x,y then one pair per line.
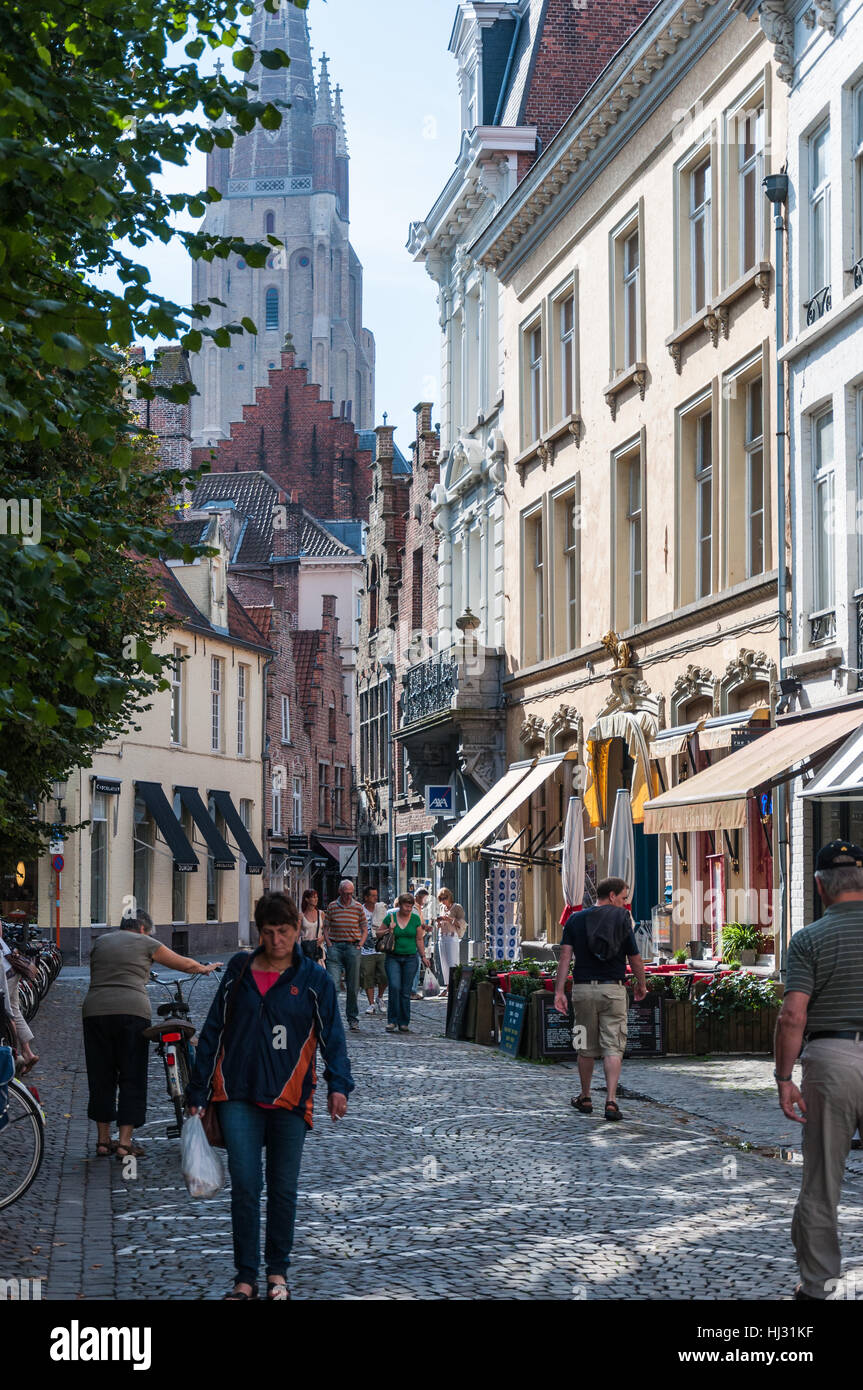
x,y
833,1092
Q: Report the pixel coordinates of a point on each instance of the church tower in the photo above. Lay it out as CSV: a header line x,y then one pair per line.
x,y
291,183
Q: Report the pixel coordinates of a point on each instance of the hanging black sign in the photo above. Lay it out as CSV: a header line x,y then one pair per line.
x,y
109,786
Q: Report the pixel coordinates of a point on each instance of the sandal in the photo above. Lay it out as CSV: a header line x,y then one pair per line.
x,y
234,1296
278,1293
583,1104
105,1150
612,1111
125,1150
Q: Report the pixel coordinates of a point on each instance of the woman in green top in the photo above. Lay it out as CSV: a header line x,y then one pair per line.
x,y
408,943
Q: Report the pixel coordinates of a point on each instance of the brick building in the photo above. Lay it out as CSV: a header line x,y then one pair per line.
x,y
169,421
398,627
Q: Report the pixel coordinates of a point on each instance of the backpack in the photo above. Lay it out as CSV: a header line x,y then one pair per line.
x,y
606,928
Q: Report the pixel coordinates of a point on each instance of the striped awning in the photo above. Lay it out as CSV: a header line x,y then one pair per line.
x,y
842,775
471,844
448,846
719,732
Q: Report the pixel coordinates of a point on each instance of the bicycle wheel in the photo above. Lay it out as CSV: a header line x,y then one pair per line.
x,y
183,1074
22,1144
28,998
43,979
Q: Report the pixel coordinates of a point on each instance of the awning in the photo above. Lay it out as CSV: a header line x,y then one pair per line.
x,y
719,733
470,845
842,776
191,799
185,859
715,799
446,848
669,742
637,728
233,820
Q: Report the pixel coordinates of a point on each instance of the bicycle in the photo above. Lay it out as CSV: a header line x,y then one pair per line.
x,y
22,1140
174,1037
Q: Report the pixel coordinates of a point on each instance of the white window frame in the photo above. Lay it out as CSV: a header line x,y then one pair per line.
x,y
564,384
297,805
339,794
216,684
858,509
286,718
538,567
819,197
857,172
704,487
242,694
823,488
571,556
753,164
635,539
177,710
533,380
323,793
277,807
753,444
631,279
700,214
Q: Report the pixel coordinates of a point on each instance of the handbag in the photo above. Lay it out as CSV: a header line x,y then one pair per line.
x,y
22,966
386,940
210,1117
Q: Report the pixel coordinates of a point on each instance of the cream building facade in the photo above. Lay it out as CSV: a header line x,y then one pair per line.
x,y
174,805
640,543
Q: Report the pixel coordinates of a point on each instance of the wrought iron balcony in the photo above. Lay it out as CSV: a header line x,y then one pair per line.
x,y
429,687
857,273
818,305
822,626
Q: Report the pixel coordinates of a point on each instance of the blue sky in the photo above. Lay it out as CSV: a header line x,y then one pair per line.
x,y
401,109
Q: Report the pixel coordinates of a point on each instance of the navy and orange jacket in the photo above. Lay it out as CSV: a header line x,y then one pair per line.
x,y
250,1063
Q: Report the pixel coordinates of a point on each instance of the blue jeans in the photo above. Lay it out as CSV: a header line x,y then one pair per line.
x,y
248,1130
400,973
344,955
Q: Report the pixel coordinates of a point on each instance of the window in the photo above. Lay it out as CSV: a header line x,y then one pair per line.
x,y
568,511
750,197
142,854
755,482
857,192
286,719
704,505
822,512
564,374
700,247
819,212
339,795
297,812
271,310
213,875
216,703
533,582
177,696
99,860
417,590
533,384
242,686
270,223
323,794
277,801
331,723
630,300
628,572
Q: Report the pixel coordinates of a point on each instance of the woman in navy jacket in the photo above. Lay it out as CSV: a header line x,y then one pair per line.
x,y
256,1061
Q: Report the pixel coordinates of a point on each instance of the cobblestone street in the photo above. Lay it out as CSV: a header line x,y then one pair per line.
x,y
458,1173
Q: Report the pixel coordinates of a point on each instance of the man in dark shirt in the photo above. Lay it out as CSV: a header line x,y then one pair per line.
x,y
599,1000
823,1005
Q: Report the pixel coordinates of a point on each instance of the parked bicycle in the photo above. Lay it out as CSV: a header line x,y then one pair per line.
x,y
22,1137
175,1042
44,958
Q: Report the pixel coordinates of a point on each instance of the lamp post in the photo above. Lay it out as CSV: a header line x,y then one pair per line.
x,y
776,190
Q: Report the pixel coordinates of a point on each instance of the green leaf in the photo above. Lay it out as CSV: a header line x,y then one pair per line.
x,y
84,719
244,59
271,119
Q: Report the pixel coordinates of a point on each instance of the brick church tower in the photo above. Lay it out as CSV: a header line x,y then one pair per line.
x,y
291,183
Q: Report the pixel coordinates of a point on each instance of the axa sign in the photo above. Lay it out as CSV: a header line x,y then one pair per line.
x,y
440,799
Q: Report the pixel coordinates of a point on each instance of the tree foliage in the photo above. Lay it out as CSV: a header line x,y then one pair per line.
x,y
93,105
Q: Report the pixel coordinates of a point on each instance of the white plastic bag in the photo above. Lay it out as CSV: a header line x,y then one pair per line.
x,y
430,984
202,1168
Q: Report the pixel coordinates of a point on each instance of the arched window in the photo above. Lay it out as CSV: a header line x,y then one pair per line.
x,y
373,598
272,310
270,223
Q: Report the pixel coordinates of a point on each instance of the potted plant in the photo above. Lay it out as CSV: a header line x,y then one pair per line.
x,y
680,957
741,942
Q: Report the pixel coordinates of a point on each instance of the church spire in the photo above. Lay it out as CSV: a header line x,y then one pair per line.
x,y
324,105
286,152
341,133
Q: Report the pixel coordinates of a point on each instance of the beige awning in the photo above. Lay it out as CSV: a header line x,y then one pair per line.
x,y
715,799
471,844
446,848
719,733
669,742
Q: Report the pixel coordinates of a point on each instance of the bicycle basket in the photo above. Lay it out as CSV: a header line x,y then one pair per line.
x,y
7,1071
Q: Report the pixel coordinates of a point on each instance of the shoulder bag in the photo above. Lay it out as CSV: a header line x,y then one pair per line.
x,y
22,966
386,941
210,1117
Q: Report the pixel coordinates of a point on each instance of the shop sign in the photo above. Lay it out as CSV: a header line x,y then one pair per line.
x,y
440,799
555,1029
109,786
644,1036
298,844
513,1024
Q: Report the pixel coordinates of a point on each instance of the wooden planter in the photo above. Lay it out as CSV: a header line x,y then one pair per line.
x,y
737,1032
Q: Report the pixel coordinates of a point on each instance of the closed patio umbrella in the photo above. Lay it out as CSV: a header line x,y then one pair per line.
x,y
621,843
572,863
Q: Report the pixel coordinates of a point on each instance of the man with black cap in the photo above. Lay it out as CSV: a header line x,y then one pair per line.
x,y
823,1006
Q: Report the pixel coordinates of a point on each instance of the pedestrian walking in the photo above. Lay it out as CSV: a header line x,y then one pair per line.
x,y
401,958
372,966
345,932
311,926
598,942
822,1012
422,906
255,1064
116,1011
451,927
9,970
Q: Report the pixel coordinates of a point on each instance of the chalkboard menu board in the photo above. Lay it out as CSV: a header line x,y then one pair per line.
x,y
644,1028
456,1019
555,1030
513,1024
